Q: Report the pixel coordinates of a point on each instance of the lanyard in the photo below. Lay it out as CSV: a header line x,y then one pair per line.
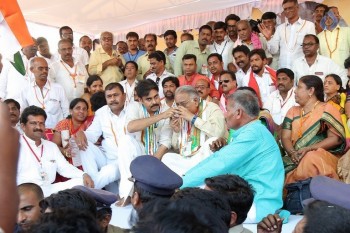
x,y
42,150
73,75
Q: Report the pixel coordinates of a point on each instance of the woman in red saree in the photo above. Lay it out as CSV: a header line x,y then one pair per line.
x,y
313,134
77,121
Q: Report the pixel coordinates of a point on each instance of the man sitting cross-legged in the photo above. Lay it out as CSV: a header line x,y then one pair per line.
x,y
196,123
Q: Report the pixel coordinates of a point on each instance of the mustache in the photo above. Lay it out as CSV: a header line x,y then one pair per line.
x,y
280,85
155,105
200,92
38,130
114,102
12,114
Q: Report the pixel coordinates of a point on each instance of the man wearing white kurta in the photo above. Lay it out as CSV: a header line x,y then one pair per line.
x,y
109,162
196,123
314,64
39,159
281,100
130,82
45,94
70,73
150,120
288,36
12,82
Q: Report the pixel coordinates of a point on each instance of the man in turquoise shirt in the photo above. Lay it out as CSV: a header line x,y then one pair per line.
x,y
253,154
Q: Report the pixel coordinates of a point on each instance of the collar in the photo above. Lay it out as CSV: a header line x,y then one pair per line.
x,y
114,115
250,124
114,52
241,71
236,229
230,92
166,50
32,142
46,86
75,61
299,21
265,72
288,94
316,60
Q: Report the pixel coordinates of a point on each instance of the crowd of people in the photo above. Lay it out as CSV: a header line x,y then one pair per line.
x,y
241,112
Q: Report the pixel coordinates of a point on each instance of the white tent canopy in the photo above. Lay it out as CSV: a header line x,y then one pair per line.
x,y
120,16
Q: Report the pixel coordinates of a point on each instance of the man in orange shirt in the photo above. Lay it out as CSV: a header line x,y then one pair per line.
x,y
190,76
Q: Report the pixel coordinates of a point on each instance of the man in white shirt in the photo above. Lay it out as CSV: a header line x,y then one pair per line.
x,y
222,45
109,162
157,62
69,72
14,110
196,123
44,50
281,100
130,82
216,66
148,119
15,76
170,84
79,54
45,94
39,159
269,21
261,77
241,56
314,64
289,35
231,21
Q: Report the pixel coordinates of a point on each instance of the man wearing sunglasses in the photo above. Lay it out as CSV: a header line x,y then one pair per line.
x,y
314,64
229,85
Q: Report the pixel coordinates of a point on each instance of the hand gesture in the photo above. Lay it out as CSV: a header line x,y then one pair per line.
x,y
81,140
175,124
147,73
168,113
217,144
184,113
267,32
88,182
270,224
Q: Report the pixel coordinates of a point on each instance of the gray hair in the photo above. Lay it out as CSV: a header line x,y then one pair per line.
x,y
191,91
247,101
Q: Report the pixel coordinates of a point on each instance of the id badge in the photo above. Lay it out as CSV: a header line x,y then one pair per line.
x,y
43,174
204,69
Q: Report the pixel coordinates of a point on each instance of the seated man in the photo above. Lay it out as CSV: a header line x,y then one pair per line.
x,y
39,159
150,120
196,123
28,210
14,110
240,195
104,200
253,154
281,100
105,163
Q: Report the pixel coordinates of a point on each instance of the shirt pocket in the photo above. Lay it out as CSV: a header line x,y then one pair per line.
x,y
53,105
50,168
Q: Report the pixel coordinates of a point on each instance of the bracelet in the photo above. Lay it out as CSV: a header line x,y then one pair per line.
x,y
194,118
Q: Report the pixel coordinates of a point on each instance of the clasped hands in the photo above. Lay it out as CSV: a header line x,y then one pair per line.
x,y
297,155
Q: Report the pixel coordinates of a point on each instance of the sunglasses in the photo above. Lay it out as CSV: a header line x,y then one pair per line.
x,y
224,81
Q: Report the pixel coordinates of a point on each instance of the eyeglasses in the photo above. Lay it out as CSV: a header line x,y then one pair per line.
x,y
308,45
224,81
106,39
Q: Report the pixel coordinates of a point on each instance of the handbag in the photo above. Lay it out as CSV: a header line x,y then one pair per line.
x,y
296,193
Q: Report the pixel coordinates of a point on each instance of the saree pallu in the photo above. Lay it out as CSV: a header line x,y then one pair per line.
x,y
339,104
309,130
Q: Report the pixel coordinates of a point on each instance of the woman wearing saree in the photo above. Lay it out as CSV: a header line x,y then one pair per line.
x,y
313,134
78,121
94,84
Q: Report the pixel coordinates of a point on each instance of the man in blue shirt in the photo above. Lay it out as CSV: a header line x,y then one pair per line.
x,y
253,154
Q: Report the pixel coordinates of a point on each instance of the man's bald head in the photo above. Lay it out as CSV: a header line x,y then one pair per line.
x,y
28,209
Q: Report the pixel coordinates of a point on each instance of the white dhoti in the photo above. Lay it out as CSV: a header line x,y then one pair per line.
x,y
180,164
101,169
128,149
54,188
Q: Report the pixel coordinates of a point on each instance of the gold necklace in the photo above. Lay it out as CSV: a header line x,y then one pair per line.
x,y
296,37
336,43
302,114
